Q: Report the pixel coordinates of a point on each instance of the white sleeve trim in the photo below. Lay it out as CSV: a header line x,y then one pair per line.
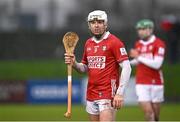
x,y
154,63
125,75
134,62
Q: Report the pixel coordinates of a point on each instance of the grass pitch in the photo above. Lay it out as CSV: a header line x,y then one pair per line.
x,y
56,69
169,112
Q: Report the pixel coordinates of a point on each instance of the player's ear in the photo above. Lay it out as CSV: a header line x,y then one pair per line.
x,y
89,26
106,26
151,30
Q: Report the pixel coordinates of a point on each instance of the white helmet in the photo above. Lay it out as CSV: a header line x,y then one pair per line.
x,y
97,14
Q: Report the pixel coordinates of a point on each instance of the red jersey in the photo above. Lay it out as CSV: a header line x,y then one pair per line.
x,y
103,60
145,74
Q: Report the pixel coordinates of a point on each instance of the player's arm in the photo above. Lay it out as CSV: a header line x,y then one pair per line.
x,y
134,62
125,75
154,63
120,54
71,59
80,67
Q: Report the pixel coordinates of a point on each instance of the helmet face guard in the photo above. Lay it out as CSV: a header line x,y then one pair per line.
x,y
145,23
97,15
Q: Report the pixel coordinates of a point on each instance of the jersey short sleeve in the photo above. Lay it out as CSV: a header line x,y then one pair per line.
x,y
119,50
136,45
159,48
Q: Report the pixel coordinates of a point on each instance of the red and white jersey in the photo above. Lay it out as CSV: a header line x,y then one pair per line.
x,y
102,59
144,74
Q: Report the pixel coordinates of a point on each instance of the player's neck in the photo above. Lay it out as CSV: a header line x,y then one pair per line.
x,y
150,40
100,36
104,36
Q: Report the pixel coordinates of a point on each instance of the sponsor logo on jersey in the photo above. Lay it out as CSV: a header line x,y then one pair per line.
x,y
123,51
96,62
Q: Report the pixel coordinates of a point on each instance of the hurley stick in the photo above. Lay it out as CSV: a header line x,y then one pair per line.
x,y
70,40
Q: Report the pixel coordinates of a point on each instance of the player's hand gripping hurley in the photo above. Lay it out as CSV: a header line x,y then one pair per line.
x,y
70,40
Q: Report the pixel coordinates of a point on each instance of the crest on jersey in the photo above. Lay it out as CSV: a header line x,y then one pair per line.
x,y
144,49
104,48
88,49
150,47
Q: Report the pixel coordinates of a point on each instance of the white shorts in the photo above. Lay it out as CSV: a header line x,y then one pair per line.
x,y
153,93
95,107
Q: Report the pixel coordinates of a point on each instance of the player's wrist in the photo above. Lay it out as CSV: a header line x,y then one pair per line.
x,y
120,96
74,64
120,91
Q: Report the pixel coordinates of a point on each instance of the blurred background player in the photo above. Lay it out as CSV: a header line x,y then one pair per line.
x,y
148,57
103,54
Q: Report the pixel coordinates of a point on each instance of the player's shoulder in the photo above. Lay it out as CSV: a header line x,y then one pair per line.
x,y
88,41
138,42
115,40
159,42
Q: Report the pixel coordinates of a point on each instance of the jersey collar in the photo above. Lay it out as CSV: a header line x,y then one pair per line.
x,y
151,40
105,36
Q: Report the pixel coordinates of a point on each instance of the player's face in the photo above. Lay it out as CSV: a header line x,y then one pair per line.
x,y
97,27
144,33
